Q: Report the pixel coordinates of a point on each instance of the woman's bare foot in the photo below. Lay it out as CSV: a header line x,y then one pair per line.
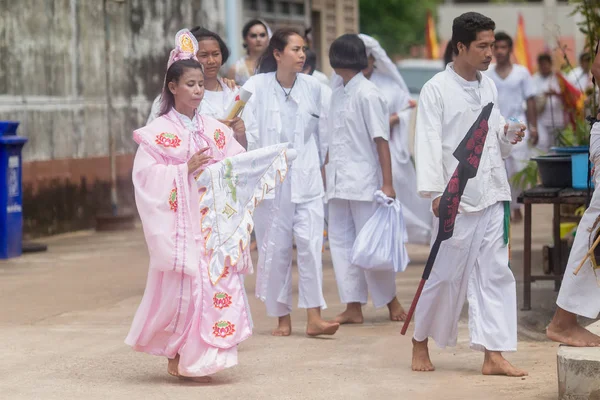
x,y
352,315
284,327
397,312
420,357
173,366
495,364
321,327
318,326
565,329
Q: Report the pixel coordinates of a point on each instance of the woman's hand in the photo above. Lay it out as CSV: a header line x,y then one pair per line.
x,y
230,83
236,124
394,119
198,160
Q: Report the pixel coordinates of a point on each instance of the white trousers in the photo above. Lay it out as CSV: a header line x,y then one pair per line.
x,y
416,210
278,223
346,219
472,264
580,294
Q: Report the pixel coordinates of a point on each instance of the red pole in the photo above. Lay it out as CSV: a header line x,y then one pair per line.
x,y
413,306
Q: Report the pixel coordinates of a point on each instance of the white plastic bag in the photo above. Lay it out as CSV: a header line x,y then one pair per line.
x,y
380,244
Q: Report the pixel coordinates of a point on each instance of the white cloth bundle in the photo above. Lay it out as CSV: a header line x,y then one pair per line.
x,y
381,243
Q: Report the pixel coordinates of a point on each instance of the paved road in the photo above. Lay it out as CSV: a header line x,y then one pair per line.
x,y
64,315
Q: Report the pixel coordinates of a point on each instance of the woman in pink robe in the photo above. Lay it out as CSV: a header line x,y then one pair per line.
x,y
193,319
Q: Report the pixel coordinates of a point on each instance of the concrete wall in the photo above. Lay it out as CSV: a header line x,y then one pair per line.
x,y
53,79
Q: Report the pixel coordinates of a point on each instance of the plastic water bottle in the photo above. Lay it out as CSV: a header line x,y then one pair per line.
x,y
514,127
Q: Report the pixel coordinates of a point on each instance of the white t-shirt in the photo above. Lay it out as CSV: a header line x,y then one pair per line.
x,y
513,91
578,78
553,113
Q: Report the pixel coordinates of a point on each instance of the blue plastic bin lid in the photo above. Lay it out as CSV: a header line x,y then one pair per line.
x,y
12,140
570,150
8,128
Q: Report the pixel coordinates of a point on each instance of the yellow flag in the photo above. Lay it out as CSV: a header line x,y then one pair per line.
x,y
433,50
521,48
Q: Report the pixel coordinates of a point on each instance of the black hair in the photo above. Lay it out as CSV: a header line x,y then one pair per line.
x,y
504,37
585,57
311,61
466,26
348,52
201,34
448,54
174,73
544,57
279,40
249,25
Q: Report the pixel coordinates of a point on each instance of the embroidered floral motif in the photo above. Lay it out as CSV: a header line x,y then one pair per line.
x,y
166,139
225,273
221,300
231,179
173,200
220,139
223,329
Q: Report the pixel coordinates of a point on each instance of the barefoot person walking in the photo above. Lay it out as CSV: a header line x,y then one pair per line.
x,y
473,263
580,294
358,164
194,310
287,108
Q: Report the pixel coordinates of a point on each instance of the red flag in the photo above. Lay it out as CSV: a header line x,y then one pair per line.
x,y
572,98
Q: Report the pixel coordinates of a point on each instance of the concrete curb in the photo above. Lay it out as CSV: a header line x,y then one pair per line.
x,y
579,371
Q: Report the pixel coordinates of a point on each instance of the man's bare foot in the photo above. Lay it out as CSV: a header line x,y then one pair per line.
x,y
420,357
352,315
495,364
173,366
572,335
397,313
284,328
321,327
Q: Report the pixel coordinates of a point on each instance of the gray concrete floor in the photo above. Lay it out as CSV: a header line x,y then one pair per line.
x,y
65,313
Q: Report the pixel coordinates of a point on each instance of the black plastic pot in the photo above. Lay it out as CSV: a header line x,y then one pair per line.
x,y
555,170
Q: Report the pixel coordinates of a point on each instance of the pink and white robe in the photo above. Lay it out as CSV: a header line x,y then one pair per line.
x,y
194,303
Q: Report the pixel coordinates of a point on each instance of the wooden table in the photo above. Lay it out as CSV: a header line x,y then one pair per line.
x,y
556,197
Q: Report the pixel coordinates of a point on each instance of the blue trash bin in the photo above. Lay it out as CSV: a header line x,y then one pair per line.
x,y
11,199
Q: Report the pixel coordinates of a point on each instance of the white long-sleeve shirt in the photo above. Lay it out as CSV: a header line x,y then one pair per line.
x,y
295,120
448,107
358,115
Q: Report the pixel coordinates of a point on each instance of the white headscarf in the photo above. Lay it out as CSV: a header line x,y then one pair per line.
x,y
383,63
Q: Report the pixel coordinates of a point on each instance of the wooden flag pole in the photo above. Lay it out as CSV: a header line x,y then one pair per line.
x,y
587,255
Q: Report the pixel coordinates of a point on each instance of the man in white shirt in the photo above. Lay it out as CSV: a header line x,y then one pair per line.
x,y
515,89
580,294
551,118
581,77
473,263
